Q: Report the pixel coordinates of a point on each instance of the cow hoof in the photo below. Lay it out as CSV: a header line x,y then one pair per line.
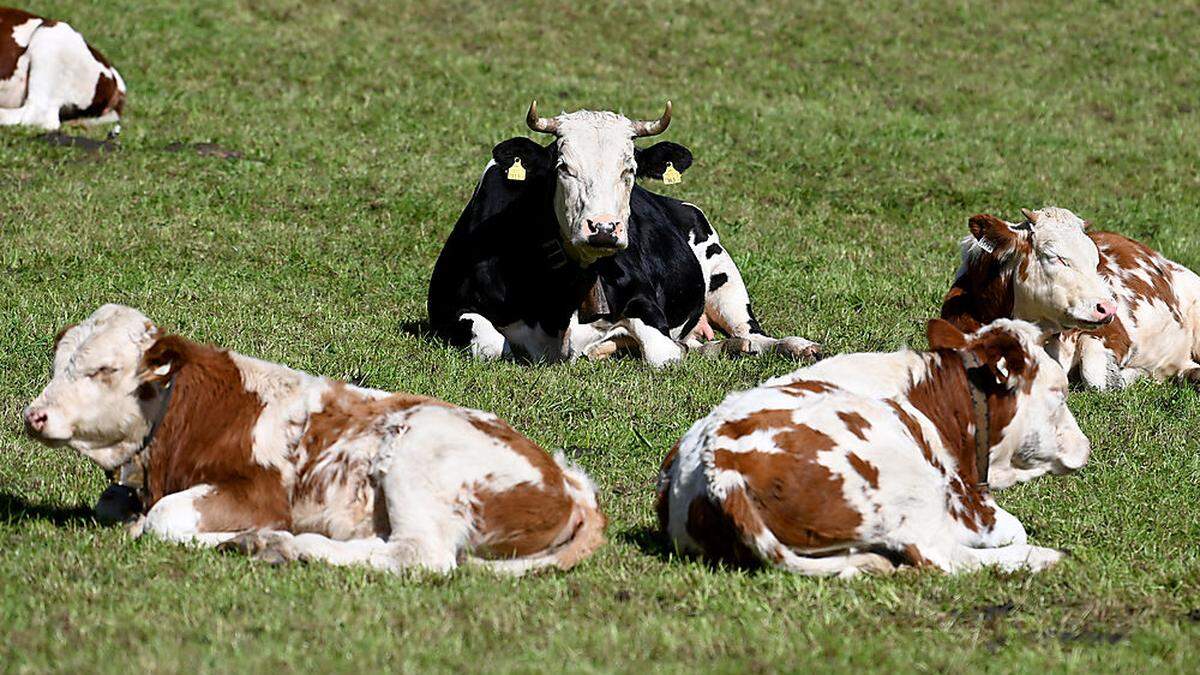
x,y
601,351
273,555
797,348
247,543
734,346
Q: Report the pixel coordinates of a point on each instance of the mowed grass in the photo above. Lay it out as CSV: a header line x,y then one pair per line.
x,y
839,151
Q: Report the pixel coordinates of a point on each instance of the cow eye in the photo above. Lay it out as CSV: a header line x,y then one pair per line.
x,y
102,371
1062,261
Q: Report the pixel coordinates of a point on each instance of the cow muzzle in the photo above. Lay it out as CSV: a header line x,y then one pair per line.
x,y
605,233
39,426
1101,314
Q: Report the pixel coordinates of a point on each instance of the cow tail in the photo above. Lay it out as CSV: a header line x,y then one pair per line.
x,y
584,529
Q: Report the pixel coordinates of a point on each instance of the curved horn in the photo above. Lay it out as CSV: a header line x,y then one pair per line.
x,y
1029,215
546,125
653,127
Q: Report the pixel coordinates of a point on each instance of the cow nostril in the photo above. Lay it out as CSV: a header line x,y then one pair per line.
x,y
1106,309
36,419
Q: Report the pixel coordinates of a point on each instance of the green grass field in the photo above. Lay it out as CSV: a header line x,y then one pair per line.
x,y
838,151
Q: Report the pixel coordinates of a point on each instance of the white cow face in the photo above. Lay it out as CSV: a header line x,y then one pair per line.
x,y
1032,429
595,173
100,400
595,164
1056,283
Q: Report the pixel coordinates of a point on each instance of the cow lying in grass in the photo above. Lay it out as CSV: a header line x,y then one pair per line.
x,y
864,459
50,75
560,254
1119,310
285,465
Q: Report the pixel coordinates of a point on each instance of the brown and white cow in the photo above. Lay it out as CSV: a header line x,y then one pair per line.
x,y
262,458
866,459
1118,309
50,75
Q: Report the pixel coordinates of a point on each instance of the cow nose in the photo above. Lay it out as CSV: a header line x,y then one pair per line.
x,y
1106,310
602,227
35,419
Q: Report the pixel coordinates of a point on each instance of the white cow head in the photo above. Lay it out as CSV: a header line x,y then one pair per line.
x,y
1053,263
593,163
1032,430
103,397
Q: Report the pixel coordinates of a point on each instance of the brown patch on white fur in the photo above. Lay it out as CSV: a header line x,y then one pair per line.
x,y
206,437
756,421
10,51
944,397
855,423
798,500
1120,256
867,470
802,387
718,530
528,519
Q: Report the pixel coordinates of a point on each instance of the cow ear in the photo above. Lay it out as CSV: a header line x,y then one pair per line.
x,y
61,334
537,160
1001,356
992,233
944,335
162,360
652,161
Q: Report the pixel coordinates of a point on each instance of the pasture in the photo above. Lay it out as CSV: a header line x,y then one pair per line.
x,y
288,171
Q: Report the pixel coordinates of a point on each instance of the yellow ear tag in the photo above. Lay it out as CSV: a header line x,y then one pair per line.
x,y
516,171
671,176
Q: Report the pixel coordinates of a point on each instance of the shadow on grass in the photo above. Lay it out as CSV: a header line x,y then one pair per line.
x,y
649,541
15,509
418,328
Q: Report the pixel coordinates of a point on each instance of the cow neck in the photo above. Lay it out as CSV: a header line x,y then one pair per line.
x,y
133,472
580,281
206,431
983,291
951,398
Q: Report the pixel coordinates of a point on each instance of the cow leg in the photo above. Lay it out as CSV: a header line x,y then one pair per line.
x,y
177,518
1097,366
1006,531
277,546
485,342
11,116
658,349
1017,557
956,558
427,530
842,565
727,305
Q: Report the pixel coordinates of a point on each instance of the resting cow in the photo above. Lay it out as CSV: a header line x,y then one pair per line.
x,y
866,459
262,458
1119,310
50,75
559,254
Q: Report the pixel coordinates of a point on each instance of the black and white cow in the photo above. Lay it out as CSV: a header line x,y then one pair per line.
x,y
559,254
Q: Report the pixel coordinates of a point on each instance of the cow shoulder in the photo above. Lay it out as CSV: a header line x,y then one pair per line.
x,y
206,435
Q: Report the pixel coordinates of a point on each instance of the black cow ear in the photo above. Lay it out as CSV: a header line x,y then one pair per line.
x,y
537,160
652,161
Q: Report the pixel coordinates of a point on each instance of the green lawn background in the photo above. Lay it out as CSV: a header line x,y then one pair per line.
x,y
839,151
